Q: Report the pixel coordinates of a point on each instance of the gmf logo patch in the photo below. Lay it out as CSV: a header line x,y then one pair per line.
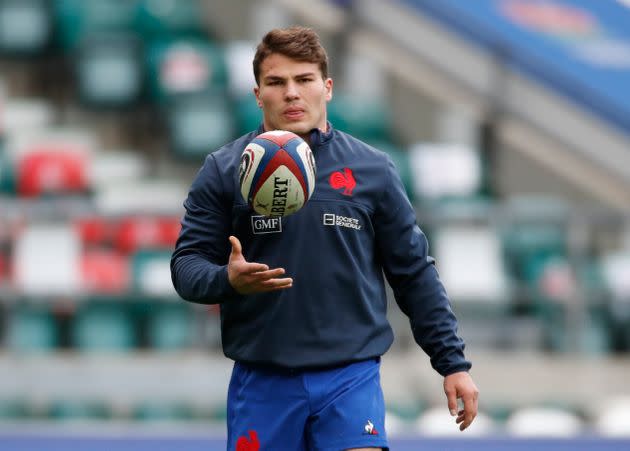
x,y
266,224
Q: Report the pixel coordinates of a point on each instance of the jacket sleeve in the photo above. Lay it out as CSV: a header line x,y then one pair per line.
x,y
199,262
411,272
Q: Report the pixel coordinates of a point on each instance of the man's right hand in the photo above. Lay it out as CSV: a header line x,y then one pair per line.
x,y
247,278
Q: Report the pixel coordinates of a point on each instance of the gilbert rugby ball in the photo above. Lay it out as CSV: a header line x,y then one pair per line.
x,y
277,173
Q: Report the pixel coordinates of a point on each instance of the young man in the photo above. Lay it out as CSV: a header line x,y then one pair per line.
x,y
303,306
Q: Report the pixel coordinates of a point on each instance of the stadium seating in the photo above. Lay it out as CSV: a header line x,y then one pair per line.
x,y
152,274
199,125
238,59
162,410
32,329
443,171
104,272
184,66
165,18
109,70
613,416
76,19
26,27
13,410
170,326
401,159
139,196
543,422
89,217
615,270
366,118
470,262
46,260
103,326
248,114
437,422
64,410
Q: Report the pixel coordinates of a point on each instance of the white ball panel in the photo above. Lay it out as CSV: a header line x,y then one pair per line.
x,y
308,160
258,152
280,195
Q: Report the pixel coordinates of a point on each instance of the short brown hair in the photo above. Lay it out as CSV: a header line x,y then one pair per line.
x,y
298,43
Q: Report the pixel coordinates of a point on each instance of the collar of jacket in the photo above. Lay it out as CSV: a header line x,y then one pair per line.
x,y
318,137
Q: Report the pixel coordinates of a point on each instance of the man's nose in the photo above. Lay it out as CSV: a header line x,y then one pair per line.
x,y
292,91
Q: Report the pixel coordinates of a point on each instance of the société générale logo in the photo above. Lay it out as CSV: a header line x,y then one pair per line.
x,y
332,219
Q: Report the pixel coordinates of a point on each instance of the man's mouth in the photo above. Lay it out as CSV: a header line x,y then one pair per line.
x,y
293,113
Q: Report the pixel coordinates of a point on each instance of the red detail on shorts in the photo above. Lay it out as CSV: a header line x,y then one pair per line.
x,y
343,180
251,444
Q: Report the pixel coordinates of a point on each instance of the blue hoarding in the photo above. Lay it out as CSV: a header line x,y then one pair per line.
x,y
579,48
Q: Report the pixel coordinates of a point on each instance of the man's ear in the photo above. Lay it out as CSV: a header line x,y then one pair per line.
x,y
328,83
257,94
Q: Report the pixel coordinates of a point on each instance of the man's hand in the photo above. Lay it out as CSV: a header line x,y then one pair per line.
x,y
461,385
247,278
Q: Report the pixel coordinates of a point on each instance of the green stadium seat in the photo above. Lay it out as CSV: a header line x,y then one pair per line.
x,y
199,125
26,27
170,326
151,274
103,326
32,329
70,410
163,410
109,70
13,410
248,114
184,66
76,19
614,274
369,120
7,173
401,159
159,18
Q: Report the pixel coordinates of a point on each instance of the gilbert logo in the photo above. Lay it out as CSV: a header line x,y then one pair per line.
x,y
343,180
266,224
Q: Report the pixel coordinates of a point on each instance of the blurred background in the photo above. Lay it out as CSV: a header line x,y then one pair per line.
x,y
509,121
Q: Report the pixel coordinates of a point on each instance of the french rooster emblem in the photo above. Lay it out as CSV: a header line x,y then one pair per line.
x,y
248,444
343,180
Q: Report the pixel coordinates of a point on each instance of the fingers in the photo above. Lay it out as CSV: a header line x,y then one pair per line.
x,y
276,284
451,397
461,386
248,277
468,413
237,250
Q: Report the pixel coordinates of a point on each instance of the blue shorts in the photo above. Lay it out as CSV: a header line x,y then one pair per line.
x,y
324,410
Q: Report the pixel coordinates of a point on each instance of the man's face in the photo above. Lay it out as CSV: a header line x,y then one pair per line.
x,y
293,95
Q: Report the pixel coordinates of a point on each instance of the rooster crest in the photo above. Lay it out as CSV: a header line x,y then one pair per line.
x,y
343,180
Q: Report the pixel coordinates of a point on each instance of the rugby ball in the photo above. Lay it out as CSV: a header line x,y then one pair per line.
x,y
277,173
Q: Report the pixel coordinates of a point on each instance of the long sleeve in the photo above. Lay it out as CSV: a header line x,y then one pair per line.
x,y
411,272
199,262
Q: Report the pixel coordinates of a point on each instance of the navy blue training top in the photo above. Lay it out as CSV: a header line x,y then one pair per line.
x,y
357,225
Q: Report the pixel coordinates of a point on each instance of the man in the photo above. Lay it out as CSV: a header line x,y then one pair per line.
x,y
303,305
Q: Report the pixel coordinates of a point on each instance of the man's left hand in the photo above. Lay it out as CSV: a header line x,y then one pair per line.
x,y
461,385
